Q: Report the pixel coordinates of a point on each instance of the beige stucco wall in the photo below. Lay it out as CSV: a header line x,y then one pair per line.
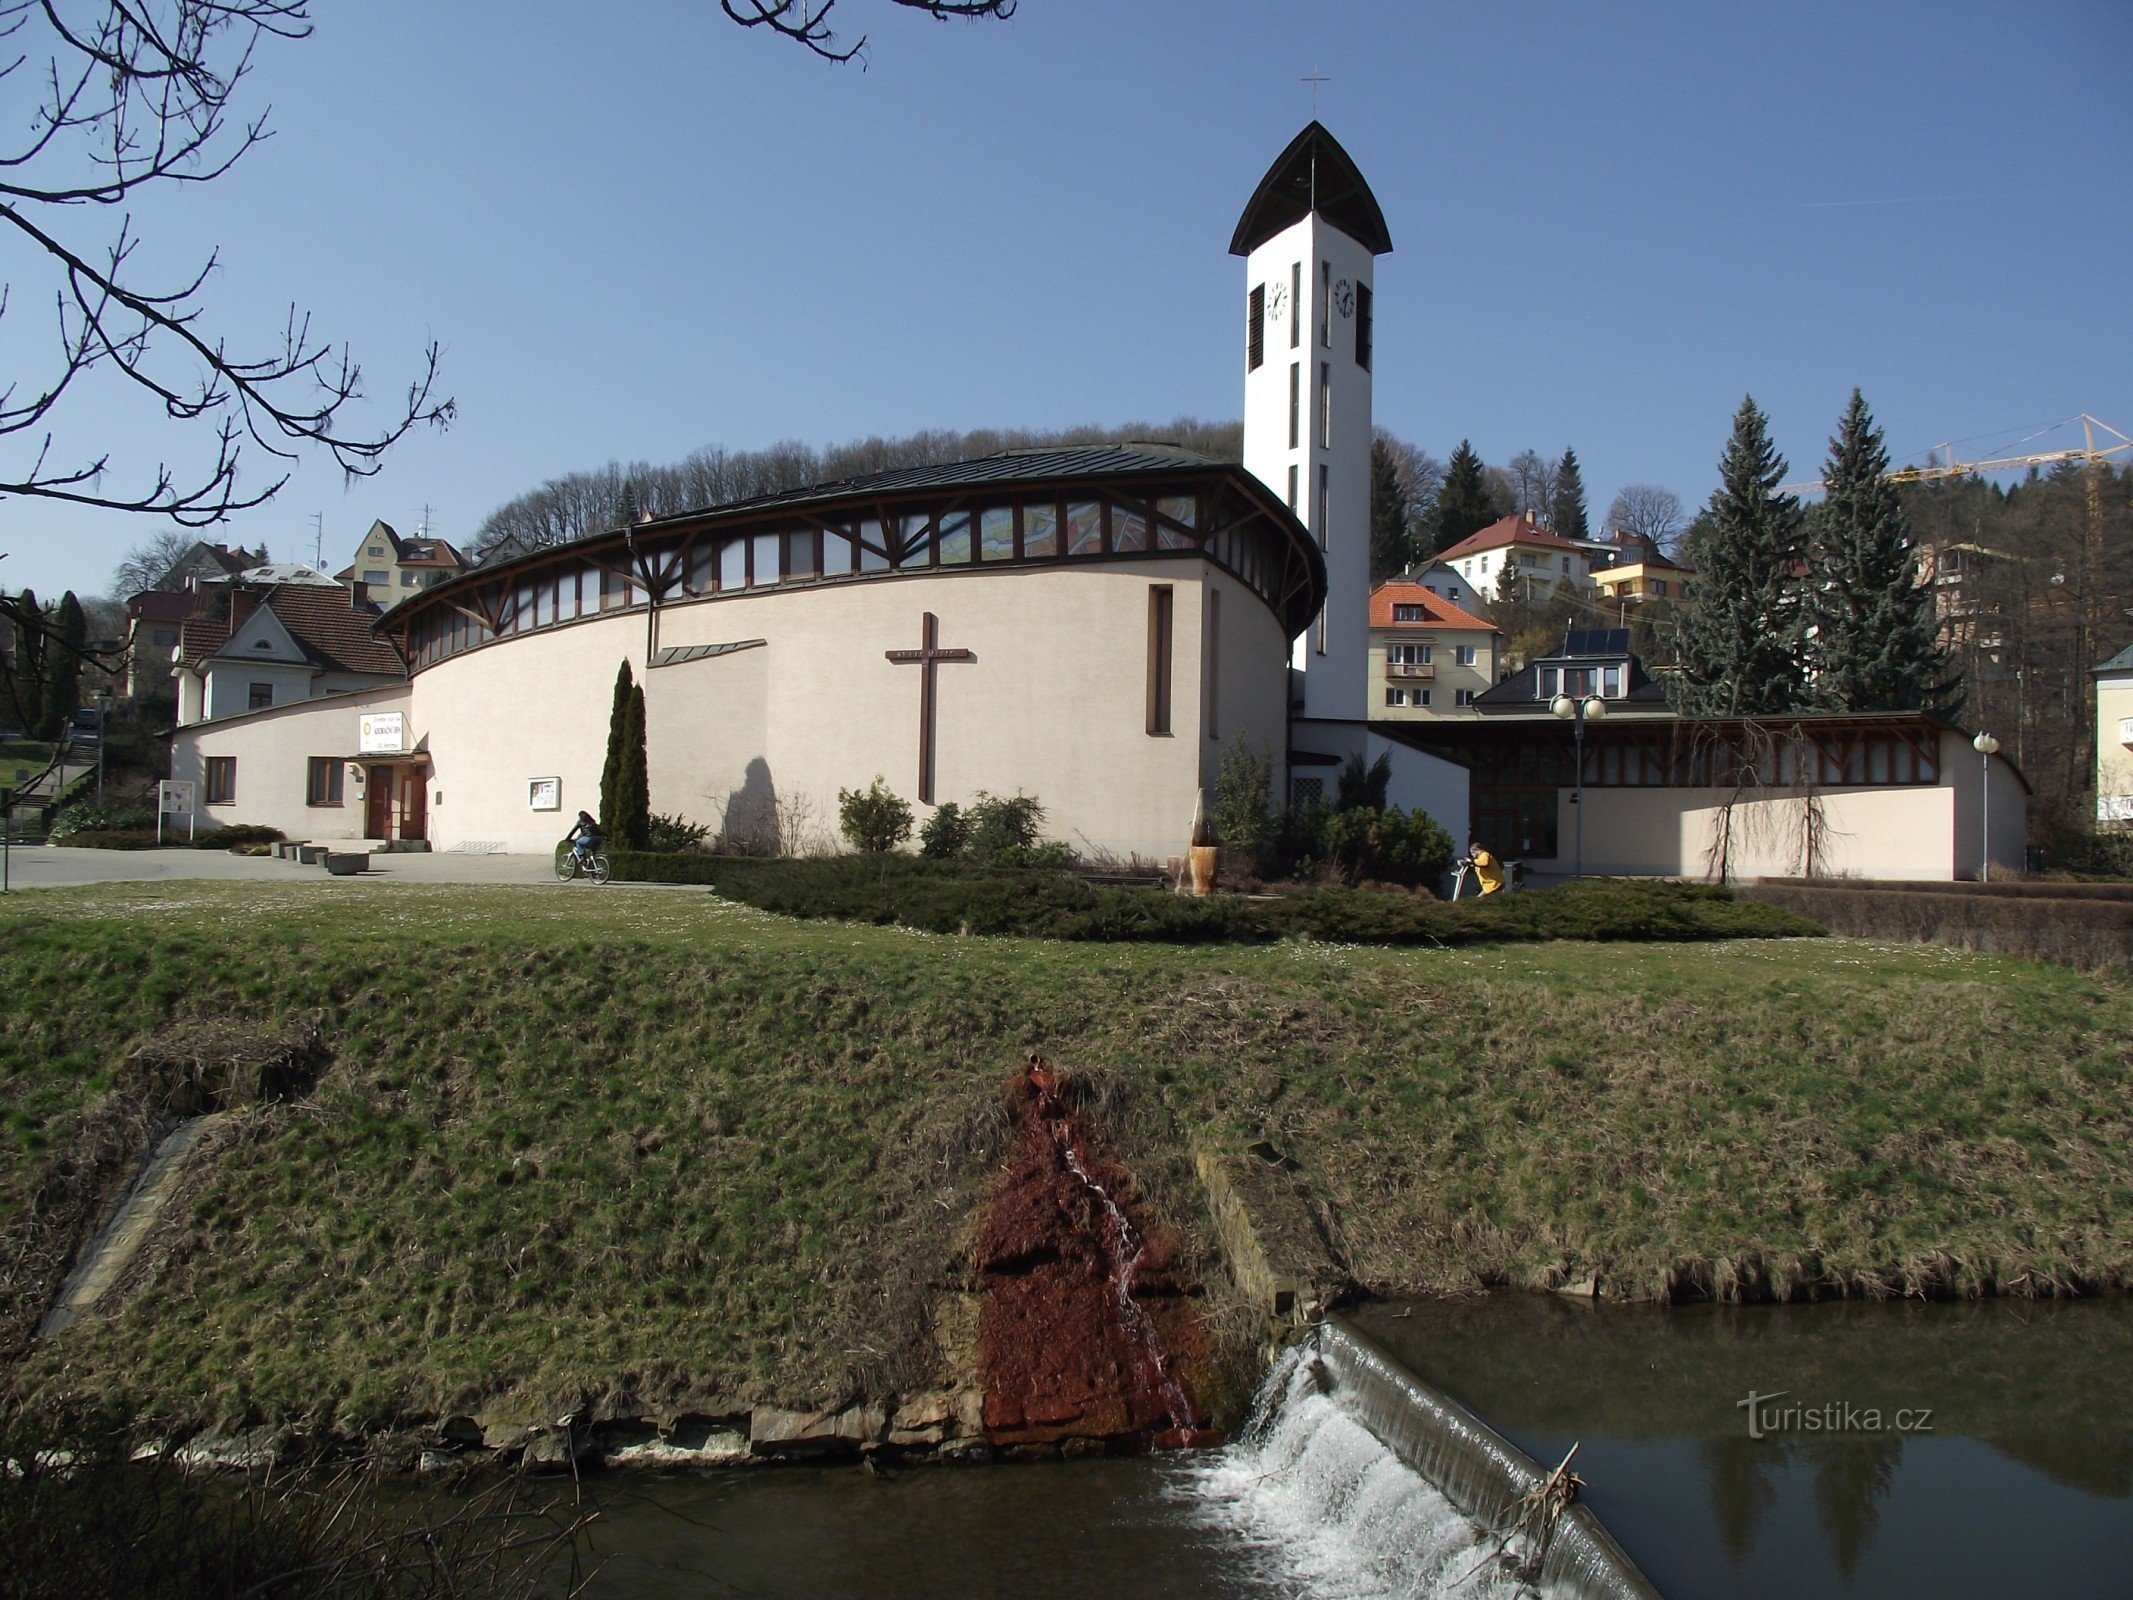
x,y
1927,833
273,750
1055,705
2114,749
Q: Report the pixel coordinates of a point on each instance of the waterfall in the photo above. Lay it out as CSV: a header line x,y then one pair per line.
x,y
1360,1481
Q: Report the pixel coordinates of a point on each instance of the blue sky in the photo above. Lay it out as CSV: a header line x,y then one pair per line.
x,y
638,230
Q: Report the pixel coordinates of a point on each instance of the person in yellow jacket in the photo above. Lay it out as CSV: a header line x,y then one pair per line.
x,y
1488,871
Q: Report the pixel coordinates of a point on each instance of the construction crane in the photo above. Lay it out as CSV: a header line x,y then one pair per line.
x,y
1941,462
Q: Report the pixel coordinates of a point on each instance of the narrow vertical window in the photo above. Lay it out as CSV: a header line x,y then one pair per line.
x,y
1292,486
1325,507
1296,304
1322,629
1362,326
1325,405
1159,632
1255,330
1325,305
1295,403
1213,674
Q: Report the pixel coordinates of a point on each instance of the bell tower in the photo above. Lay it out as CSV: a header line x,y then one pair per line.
x,y
1310,237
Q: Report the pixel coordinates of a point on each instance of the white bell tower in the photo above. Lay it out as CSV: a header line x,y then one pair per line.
x,y
1310,238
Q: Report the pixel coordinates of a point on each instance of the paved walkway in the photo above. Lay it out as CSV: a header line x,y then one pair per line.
x,y
57,867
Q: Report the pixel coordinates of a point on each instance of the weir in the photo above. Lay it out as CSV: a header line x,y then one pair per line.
x,y
1371,1482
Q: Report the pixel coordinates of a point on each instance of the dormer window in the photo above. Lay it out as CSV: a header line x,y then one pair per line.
x,y
1407,613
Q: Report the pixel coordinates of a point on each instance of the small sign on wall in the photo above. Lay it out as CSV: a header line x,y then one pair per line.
x,y
544,794
381,733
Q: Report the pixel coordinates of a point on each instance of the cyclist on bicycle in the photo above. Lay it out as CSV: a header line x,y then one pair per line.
x,y
584,838
1488,871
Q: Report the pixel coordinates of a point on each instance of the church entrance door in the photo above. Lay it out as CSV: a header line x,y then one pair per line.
x,y
378,803
414,803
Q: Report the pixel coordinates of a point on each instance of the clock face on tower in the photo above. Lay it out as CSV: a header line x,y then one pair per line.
x,y
1343,298
1276,298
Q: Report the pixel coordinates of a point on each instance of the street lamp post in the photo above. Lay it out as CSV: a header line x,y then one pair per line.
x,y
1986,747
1575,712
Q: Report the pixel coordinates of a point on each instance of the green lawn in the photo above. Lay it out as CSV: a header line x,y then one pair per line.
x,y
576,1143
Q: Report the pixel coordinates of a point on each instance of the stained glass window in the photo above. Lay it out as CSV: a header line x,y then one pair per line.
x,y
1129,528
996,533
955,538
1040,529
1085,528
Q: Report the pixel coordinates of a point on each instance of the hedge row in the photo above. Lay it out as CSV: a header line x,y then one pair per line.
x,y
1999,889
949,897
2090,933
145,838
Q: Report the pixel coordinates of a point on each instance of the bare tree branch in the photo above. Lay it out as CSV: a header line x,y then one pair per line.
x,y
133,94
807,21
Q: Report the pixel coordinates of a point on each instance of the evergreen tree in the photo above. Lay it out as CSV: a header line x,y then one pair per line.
x,y
27,683
1743,642
1391,549
62,695
1570,520
633,810
1464,505
611,771
626,506
1875,641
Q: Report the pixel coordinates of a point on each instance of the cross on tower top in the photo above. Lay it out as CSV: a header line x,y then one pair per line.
x,y
1314,79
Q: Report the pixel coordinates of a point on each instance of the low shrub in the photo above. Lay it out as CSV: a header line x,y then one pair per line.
x,y
874,820
115,839
945,835
675,833
1000,824
87,816
238,833
953,897
1358,845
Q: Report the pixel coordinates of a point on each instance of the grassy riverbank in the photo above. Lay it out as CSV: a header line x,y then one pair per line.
x,y
570,1144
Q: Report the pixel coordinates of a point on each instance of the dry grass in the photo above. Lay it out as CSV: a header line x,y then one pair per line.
x,y
644,1150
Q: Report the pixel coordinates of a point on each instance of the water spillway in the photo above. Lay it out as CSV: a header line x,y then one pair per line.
x,y
1367,1482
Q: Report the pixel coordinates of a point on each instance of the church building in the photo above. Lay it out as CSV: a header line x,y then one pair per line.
x,y
1091,627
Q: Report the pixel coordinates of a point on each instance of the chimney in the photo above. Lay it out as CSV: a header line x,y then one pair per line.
x,y
244,600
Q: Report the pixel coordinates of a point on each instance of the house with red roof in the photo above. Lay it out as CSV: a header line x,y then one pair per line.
x,y
1538,558
1428,657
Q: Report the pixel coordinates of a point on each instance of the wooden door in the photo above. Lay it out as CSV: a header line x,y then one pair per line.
x,y
378,803
414,803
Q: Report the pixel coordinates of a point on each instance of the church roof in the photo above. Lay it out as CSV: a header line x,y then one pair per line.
x,y
1313,174
1009,466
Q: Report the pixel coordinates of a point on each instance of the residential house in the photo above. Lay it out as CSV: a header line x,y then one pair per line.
x,y
1428,657
388,568
153,616
2114,740
249,645
1638,571
1539,559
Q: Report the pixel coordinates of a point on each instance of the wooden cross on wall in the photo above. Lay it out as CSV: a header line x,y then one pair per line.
x,y
927,657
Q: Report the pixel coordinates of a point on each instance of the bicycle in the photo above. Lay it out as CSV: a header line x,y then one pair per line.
x,y
570,863
1514,877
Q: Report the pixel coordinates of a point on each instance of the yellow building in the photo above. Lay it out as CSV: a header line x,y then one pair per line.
x,y
1641,572
1428,658
2114,740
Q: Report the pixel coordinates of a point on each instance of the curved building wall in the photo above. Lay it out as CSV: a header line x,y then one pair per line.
x,y
766,702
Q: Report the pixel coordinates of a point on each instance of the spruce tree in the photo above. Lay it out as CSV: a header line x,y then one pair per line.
x,y
1464,505
62,695
1875,641
1570,519
1390,548
611,772
1743,641
633,819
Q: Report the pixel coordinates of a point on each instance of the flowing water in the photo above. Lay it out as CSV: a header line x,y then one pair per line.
x,y
2020,1483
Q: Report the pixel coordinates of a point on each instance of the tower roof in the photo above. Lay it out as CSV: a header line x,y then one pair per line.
x,y
1313,174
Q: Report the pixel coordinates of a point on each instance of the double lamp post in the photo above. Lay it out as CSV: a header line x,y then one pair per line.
x,y
1577,712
